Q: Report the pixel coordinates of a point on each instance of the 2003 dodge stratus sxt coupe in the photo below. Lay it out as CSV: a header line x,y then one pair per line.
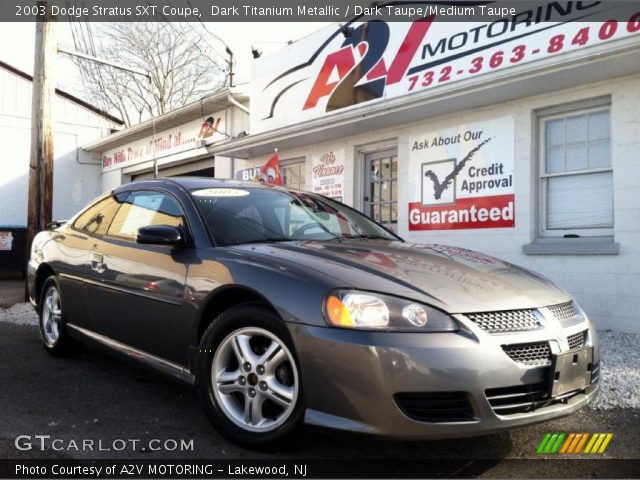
x,y
285,308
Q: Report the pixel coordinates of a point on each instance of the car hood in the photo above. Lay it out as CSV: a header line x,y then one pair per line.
x,y
453,279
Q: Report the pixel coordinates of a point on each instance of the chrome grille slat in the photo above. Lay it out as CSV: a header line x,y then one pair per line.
x,y
538,353
523,398
595,373
514,396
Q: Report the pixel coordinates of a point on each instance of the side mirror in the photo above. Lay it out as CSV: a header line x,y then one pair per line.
x,y
159,235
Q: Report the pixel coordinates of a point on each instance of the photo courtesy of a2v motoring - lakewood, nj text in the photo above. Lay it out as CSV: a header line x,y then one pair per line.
x,y
319,239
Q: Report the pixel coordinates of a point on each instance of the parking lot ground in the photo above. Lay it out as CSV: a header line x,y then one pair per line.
x,y
103,398
11,292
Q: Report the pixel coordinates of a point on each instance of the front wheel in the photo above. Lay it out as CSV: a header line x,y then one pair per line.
x,y
52,321
248,378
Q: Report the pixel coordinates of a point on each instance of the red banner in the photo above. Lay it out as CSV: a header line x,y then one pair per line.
x,y
497,211
270,172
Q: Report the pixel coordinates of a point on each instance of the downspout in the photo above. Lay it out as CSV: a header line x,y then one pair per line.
x,y
241,107
235,103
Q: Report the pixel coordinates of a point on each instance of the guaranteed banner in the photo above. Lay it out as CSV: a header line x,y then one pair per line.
x,y
466,177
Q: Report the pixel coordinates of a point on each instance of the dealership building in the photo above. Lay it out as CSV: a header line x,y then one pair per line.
x,y
520,140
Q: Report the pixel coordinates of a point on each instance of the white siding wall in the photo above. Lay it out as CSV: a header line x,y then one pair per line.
x,y
606,286
76,177
112,179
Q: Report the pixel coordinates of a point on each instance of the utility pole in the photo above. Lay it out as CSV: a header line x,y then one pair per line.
x,y
230,62
41,160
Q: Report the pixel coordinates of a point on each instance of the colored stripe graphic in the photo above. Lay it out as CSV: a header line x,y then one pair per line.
x,y
592,440
605,443
556,446
543,443
581,443
547,448
573,443
567,442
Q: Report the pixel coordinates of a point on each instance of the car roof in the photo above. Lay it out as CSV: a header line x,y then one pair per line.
x,y
194,183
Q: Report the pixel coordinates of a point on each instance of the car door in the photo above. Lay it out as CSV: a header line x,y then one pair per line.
x,y
74,245
137,294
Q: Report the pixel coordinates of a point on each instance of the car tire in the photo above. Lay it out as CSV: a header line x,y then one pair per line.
x,y
248,378
52,321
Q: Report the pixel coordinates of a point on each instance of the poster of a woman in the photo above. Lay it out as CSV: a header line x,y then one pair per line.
x,y
208,128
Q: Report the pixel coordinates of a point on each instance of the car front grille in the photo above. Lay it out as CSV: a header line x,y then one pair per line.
x,y
577,340
435,407
509,321
566,313
506,321
538,353
523,398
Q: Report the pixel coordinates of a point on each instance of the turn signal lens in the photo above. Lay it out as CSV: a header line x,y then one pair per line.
x,y
415,315
337,313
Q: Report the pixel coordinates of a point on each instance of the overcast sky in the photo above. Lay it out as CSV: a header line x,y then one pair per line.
x,y
18,41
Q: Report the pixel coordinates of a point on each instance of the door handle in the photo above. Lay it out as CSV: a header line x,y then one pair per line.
x,y
97,263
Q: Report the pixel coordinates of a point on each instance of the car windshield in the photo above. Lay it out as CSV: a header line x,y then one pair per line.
x,y
237,216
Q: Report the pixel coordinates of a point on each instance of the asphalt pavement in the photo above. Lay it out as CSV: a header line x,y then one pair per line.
x,y
105,398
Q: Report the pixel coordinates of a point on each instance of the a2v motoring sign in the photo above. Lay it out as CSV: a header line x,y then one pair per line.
x,y
466,176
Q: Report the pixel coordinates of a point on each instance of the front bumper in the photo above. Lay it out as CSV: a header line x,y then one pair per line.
x,y
350,379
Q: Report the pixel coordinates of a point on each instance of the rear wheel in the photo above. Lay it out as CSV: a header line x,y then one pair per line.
x,y
53,331
248,378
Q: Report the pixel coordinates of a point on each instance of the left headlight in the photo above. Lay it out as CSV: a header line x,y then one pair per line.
x,y
374,311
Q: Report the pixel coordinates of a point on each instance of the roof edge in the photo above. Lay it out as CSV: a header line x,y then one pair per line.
x,y
195,106
65,95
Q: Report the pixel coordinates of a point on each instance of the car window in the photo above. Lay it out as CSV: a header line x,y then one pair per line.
x,y
142,209
97,218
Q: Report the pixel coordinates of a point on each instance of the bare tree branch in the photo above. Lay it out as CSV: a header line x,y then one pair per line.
x,y
173,54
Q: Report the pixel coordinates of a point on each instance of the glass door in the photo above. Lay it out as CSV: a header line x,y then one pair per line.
x,y
381,189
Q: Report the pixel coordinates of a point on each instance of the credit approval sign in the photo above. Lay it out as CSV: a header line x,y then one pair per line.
x,y
333,70
465,177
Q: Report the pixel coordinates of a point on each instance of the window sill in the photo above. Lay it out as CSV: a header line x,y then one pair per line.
x,y
572,246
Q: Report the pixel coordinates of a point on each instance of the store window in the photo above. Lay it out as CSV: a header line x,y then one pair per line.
x,y
293,173
576,178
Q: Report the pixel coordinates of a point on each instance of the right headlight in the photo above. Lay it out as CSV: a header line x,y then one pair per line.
x,y
374,311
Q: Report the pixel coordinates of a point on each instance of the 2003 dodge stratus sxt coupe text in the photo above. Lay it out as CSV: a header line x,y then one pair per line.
x,y
284,308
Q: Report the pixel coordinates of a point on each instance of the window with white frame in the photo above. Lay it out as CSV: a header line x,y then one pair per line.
x,y
576,177
293,173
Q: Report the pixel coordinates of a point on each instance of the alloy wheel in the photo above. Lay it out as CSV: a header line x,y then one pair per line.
x,y
51,316
255,379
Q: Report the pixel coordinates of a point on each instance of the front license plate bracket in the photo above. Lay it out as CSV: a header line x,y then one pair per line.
x,y
570,371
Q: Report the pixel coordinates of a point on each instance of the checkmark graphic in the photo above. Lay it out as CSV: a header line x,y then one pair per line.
x,y
440,187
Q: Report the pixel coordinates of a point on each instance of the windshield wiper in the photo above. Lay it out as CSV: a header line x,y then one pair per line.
x,y
267,240
369,237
